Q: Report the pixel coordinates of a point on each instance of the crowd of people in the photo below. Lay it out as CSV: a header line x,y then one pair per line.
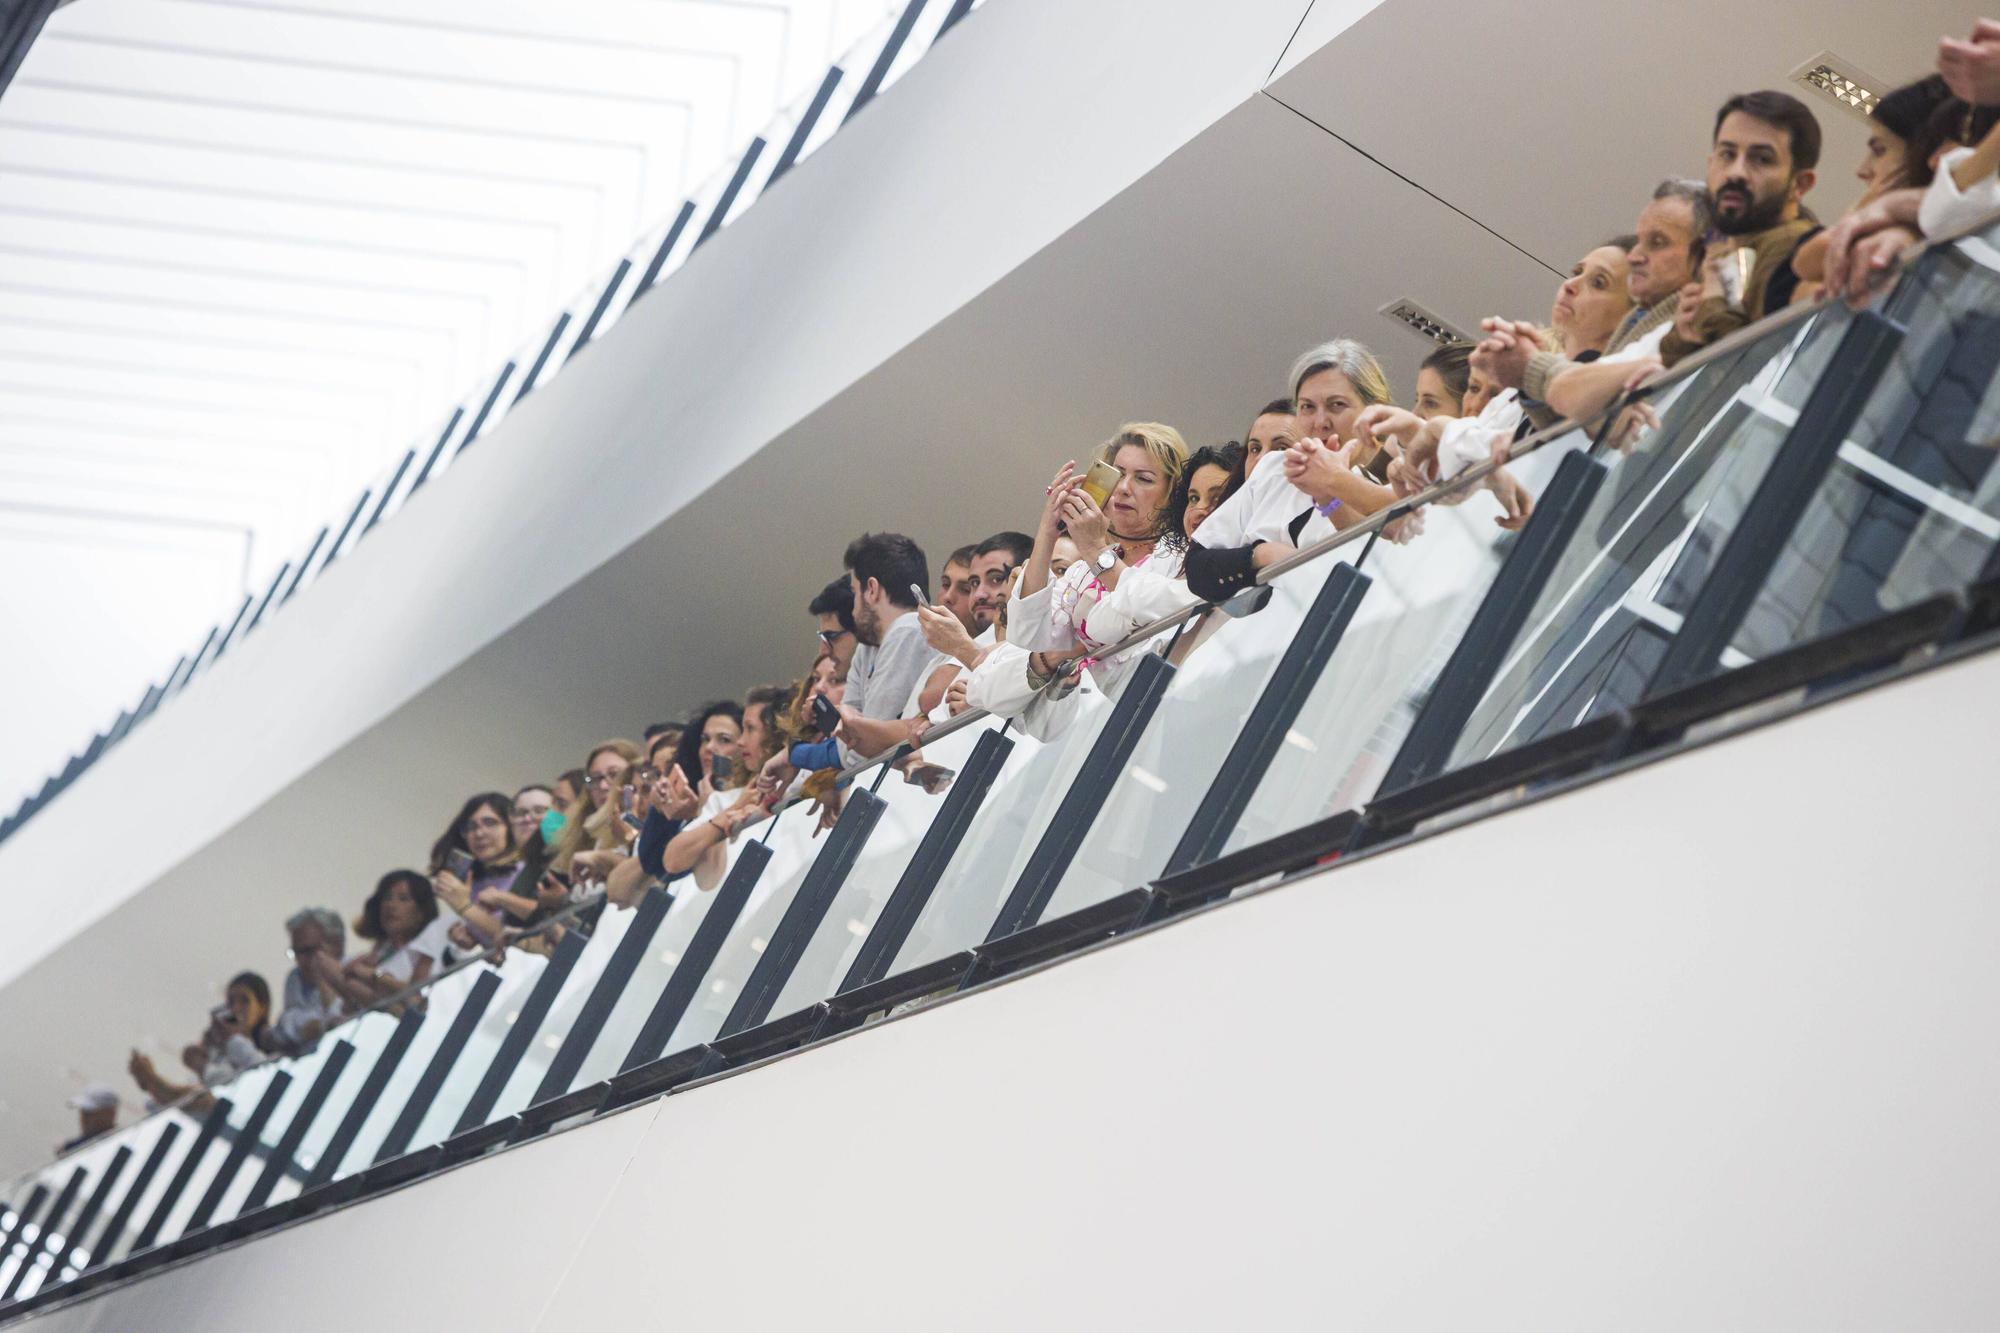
x,y
1142,528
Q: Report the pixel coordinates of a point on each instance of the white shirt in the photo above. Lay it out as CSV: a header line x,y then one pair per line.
x,y
1061,616
1946,207
1262,510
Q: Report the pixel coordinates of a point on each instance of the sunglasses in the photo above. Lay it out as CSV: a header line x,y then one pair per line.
x,y
829,637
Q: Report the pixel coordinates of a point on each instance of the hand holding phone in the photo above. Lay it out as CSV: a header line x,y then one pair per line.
x,y
458,863
1100,481
825,716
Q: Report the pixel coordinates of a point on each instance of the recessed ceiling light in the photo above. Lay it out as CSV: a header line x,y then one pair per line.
x,y
1408,313
1840,82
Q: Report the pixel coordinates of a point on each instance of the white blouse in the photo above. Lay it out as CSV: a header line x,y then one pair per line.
x,y
1946,207
1077,611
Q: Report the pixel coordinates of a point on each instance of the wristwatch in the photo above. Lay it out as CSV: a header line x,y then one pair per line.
x,y
1106,558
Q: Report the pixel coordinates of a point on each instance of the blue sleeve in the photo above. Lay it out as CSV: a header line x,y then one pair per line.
x,y
811,756
654,836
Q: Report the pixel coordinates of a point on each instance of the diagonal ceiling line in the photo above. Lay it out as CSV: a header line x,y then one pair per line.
x,y
411,365
326,113
230,148
1296,28
1412,184
270,275
273,196
425,77
224,308
255,234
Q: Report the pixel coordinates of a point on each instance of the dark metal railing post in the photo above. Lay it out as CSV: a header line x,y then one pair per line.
x,y
1470,669
211,1125
920,877
1779,502
363,1105
1078,811
247,1138
807,910
1291,684
604,995
280,1160
525,1028
129,1202
397,1141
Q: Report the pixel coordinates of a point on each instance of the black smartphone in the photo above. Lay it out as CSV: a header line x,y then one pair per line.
x,y
1377,468
459,862
720,770
825,716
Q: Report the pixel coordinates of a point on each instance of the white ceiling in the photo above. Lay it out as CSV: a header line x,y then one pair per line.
x,y
253,250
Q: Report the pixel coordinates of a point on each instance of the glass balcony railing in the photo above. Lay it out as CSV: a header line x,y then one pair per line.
x,y
1816,504
876,62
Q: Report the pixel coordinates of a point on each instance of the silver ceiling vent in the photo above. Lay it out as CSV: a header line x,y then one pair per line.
x,y
1413,316
1841,82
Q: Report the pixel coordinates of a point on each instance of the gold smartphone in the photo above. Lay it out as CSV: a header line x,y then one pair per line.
x,y
1100,481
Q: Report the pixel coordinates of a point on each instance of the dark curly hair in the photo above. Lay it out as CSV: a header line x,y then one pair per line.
x,y
1228,457
369,924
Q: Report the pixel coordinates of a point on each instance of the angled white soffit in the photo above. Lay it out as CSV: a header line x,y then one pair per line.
x,y
251,252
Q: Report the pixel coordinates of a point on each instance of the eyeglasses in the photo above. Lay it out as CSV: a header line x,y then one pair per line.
x,y
599,780
649,775
829,637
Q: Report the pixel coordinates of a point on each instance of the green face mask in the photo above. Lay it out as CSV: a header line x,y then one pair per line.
x,y
552,827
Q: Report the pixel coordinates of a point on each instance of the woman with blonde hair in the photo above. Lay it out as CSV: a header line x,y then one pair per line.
x,y
592,823
1051,619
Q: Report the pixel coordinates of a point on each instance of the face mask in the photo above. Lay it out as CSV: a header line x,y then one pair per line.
x,y
552,827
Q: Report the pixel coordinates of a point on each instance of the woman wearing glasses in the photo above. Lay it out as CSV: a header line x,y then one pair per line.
x,y
592,824
473,868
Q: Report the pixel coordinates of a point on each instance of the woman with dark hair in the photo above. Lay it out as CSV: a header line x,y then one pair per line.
x,y
1213,474
395,918
473,868
238,1036
746,737
1442,381
714,731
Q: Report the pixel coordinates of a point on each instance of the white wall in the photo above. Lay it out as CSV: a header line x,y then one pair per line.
x,y
1703,1046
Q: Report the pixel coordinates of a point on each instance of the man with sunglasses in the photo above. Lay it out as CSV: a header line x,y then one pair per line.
x,y
834,608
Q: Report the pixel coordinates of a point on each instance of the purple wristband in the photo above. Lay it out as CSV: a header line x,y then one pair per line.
x,y
1326,510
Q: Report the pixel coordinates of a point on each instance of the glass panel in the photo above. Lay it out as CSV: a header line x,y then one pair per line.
x,y
873,877
1225,665
303,1070
605,936
1912,505
442,1002
243,1093
794,842
520,971
1646,543
95,1158
614,1042
144,1136
1420,597
1003,834
368,1034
